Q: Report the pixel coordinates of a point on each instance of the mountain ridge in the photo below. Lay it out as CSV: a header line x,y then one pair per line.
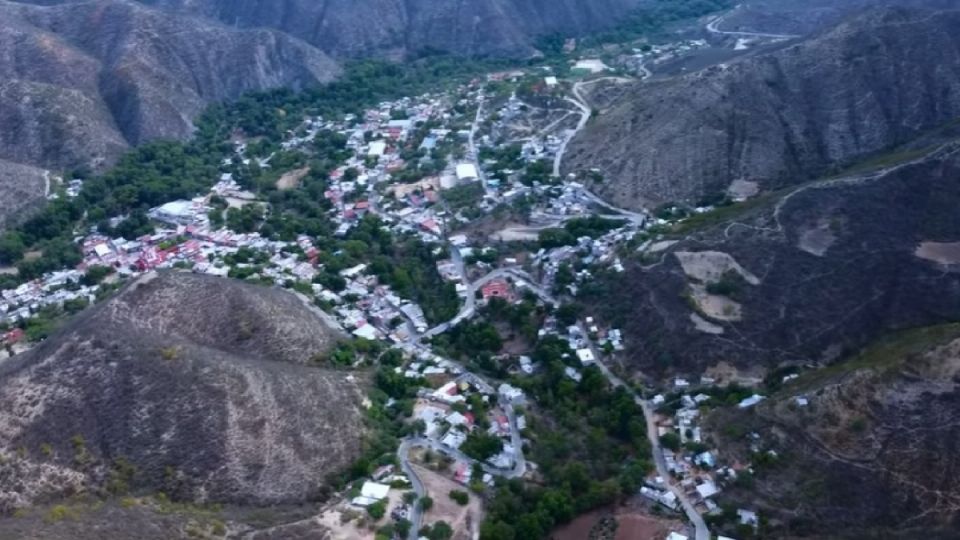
x,y
779,118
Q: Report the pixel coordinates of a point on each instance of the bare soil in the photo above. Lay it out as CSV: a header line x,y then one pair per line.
x,y
465,520
291,179
939,252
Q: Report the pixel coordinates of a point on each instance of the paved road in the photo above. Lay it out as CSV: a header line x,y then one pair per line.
x,y
416,515
470,302
636,217
700,526
714,28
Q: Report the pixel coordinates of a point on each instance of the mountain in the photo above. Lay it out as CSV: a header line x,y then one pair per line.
x,y
87,79
401,27
21,190
869,84
807,275
84,81
205,389
870,453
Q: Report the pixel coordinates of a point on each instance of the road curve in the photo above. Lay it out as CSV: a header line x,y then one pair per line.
x,y
700,526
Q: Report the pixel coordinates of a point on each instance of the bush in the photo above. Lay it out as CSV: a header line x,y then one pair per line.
x,y
670,441
460,497
377,510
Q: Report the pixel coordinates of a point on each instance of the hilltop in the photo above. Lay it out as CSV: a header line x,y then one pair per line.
x,y
206,389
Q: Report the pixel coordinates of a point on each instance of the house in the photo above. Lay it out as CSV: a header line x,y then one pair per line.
x,y
497,289
707,489
454,439
511,394
586,356
750,401
370,493
467,172
174,213
13,336
377,149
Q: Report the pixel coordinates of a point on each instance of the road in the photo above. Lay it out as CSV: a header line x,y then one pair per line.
x,y
473,153
470,301
700,526
635,217
714,28
585,113
416,515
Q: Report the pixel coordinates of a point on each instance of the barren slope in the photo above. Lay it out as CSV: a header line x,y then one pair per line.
x,y
829,267
873,454
198,383
869,84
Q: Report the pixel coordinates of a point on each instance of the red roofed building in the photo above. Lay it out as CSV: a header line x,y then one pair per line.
x,y
497,289
13,336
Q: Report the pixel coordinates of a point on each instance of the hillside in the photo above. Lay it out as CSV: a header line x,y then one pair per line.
x,y
806,275
862,87
872,454
21,190
194,386
403,27
84,81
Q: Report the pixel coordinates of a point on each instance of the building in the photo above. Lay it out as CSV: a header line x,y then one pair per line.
x,y
377,149
174,213
590,65
497,289
370,493
467,172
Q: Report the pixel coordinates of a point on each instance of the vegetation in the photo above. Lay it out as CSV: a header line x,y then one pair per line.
x,y
481,446
590,444
460,497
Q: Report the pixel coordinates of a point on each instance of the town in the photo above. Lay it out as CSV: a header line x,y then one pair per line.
x,y
467,182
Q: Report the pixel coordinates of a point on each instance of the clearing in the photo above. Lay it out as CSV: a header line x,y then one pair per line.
x,y
291,180
939,252
465,520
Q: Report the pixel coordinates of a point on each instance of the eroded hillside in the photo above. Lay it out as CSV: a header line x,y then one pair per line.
x,y
198,387
869,84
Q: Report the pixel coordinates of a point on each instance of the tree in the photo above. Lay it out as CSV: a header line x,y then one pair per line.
x,y
426,503
11,247
440,530
670,441
96,274
402,527
377,510
460,497
481,446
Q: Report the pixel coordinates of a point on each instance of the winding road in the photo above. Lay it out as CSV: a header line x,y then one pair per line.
x,y
714,28
699,525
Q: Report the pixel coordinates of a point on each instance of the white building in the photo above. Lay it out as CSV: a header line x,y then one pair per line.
x,y
467,172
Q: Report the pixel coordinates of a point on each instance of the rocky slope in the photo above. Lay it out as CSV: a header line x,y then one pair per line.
x,y
198,387
474,27
872,454
21,190
83,81
864,86
804,276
